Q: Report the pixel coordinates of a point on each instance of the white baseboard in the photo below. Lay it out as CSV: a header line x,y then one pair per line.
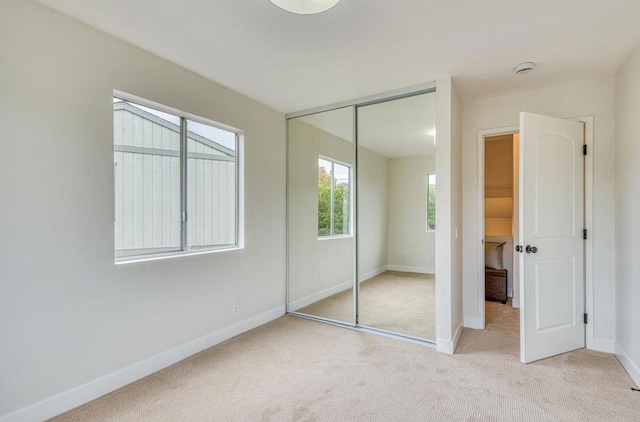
x,y
473,322
515,302
632,368
322,294
457,335
370,274
410,269
604,345
77,396
449,346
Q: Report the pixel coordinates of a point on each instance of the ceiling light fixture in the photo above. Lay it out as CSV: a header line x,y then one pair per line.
x,y
305,7
524,67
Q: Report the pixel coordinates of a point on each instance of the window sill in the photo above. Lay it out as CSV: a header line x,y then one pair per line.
x,y
344,236
174,254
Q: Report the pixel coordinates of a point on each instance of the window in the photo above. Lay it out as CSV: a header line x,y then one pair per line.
x,y
431,202
176,182
334,198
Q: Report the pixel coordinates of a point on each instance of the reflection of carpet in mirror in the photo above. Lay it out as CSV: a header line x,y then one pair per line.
x,y
394,301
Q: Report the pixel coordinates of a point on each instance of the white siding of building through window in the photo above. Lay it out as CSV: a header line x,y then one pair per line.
x,y
147,186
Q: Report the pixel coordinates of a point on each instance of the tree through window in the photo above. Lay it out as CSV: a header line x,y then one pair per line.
x,y
431,202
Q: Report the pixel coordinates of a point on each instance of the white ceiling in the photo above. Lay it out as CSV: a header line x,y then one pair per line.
x,y
400,128
363,47
338,122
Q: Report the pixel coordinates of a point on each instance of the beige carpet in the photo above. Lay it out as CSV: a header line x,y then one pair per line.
x,y
393,301
295,369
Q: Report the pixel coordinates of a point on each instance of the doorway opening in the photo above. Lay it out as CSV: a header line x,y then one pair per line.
x,y
501,267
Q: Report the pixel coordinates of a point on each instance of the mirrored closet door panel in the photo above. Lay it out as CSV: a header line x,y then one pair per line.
x,y
396,215
321,159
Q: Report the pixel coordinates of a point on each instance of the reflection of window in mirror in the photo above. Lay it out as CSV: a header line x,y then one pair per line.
x,y
431,202
334,198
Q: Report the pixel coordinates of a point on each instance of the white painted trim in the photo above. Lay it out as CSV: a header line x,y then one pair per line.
x,y
457,336
447,346
411,269
322,294
481,135
77,396
173,254
605,345
632,368
473,322
588,221
515,302
366,276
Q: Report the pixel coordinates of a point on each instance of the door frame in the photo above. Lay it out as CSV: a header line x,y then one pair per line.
x,y
588,210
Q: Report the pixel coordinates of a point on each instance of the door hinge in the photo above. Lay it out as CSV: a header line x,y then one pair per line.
x,y
184,216
584,234
584,149
586,320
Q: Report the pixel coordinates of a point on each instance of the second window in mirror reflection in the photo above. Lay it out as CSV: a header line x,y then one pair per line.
x,y
334,198
431,202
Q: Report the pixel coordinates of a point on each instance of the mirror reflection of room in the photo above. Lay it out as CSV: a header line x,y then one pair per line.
x,y
396,216
321,220
501,226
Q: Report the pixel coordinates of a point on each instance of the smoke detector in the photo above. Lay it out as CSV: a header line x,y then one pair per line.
x,y
525,67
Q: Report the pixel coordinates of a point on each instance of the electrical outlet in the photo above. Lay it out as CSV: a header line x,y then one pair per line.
x,y
234,306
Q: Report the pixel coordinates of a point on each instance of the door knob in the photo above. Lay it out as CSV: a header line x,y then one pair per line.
x,y
531,249
519,248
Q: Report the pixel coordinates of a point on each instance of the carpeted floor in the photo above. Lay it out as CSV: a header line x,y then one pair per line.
x,y
393,301
295,369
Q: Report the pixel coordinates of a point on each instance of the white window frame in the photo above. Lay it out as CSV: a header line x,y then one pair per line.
x,y
239,184
333,161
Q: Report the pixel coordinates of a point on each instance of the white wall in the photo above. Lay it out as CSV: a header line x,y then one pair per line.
x,y
68,315
579,99
373,194
411,246
627,301
318,268
448,216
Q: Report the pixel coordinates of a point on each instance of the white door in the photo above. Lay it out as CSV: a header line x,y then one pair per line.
x,y
551,235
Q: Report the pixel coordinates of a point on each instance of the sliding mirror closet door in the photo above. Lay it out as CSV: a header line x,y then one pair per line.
x,y
396,215
321,159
